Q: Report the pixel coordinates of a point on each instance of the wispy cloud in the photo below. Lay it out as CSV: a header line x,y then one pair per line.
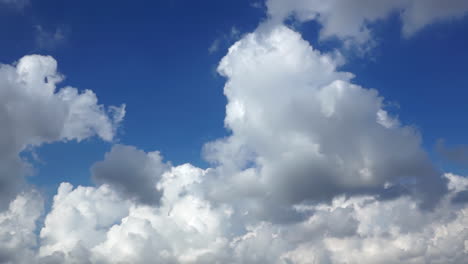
x,y
457,154
224,40
51,39
20,4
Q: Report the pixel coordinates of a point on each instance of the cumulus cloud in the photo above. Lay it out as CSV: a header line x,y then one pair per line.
x,y
352,19
97,225
301,131
131,171
33,112
18,239
80,218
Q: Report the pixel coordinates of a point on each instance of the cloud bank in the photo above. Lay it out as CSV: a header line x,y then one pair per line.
x,y
315,170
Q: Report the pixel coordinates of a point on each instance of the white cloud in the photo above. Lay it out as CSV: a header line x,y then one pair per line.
x,y
34,112
97,225
185,228
17,228
80,218
350,19
301,131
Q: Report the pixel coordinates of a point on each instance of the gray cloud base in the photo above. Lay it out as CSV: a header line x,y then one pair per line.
x,y
131,171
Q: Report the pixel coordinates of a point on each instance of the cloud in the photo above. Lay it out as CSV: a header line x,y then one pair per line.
x,y
352,20
20,4
301,131
225,39
17,228
457,154
97,225
132,171
315,170
49,40
214,46
80,218
34,112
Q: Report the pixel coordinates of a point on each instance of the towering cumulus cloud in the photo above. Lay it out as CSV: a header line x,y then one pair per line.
x,y
302,132
314,170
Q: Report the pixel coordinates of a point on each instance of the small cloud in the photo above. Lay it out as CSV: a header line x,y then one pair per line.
x,y
50,39
257,4
19,4
225,39
214,46
235,33
456,154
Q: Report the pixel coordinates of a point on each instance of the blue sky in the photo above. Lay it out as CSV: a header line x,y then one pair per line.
x,y
155,58
160,59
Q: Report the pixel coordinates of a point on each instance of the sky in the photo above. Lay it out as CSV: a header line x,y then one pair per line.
x,y
266,131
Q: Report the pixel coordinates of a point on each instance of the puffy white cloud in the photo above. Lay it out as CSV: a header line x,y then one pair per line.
x,y
350,19
18,239
362,230
33,112
301,131
132,171
97,225
80,218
